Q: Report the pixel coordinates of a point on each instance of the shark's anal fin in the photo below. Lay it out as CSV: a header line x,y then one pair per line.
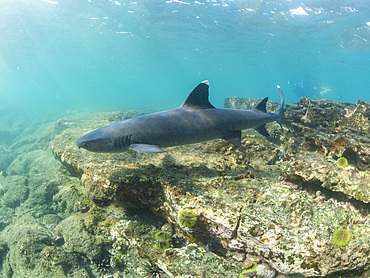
x,y
262,130
234,137
146,148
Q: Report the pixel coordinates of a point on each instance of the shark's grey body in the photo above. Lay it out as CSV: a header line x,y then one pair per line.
x,y
195,121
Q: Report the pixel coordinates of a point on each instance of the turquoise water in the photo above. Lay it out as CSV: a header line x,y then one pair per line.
x,y
59,56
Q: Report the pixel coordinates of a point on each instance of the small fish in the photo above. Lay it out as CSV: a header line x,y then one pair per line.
x,y
196,120
216,247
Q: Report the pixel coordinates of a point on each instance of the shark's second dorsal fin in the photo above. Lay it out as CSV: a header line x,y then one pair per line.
x,y
262,105
198,98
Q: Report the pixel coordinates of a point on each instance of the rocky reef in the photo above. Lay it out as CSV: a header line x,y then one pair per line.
x,y
269,208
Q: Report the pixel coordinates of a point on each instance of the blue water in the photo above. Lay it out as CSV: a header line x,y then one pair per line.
x,y
61,56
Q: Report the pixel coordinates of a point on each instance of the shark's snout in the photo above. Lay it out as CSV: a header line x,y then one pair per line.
x,y
95,142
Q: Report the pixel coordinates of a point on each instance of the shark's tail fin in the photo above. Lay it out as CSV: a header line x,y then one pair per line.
x,y
279,112
262,107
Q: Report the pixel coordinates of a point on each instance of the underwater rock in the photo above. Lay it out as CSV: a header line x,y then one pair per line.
x,y
33,191
36,136
14,190
79,235
22,163
57,262
317,132
25,240
320,172
253,200
265,271
5,159
41,192
29,251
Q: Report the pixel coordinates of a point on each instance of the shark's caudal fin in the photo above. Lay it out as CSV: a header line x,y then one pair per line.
x,y
262,107
279,112
198,98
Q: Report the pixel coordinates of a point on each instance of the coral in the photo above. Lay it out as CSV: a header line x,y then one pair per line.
x,y
342,162
187,218
341,237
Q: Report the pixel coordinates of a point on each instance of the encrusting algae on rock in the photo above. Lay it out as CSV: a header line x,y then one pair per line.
x,y
279,200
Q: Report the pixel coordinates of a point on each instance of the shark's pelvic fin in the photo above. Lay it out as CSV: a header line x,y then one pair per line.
x,y
146,148
198,98
234,137
262,130
262,105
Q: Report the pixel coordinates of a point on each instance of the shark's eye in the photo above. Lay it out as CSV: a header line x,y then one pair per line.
x,y
82,145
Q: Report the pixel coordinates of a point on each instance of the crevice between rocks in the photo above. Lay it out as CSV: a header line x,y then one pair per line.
x,y
316,185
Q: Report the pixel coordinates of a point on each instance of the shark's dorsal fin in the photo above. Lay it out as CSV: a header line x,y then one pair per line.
x,y
198,98
262,105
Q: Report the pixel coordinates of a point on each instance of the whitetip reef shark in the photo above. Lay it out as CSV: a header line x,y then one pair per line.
x,y
196,120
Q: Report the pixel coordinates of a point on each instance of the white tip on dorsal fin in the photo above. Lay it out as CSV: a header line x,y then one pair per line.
x,y
198,98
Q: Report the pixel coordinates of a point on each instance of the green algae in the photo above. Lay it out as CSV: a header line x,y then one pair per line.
x,y
250,271
342,162
341,237
161,245
117,262
187,218
162,236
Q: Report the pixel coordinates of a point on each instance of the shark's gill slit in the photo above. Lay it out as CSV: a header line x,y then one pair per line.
x,y
123,142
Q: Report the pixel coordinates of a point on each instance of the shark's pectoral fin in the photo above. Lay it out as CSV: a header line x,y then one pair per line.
x,y
234,137
262,130
146,148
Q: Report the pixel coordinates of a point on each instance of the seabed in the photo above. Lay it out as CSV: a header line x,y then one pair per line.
x,y
267,209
